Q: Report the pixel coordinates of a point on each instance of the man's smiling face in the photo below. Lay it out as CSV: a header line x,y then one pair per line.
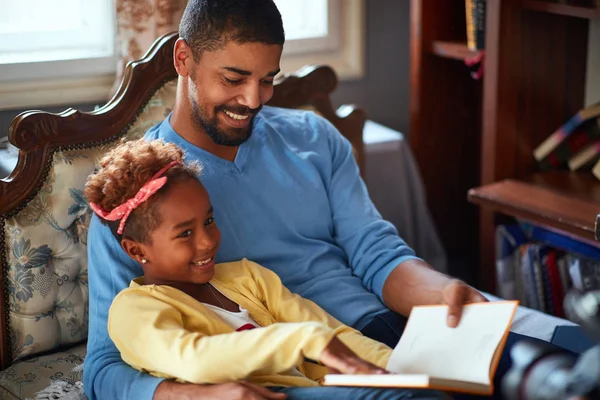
x,y
229,86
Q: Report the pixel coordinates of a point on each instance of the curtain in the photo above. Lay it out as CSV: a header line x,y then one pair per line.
x,y
139,24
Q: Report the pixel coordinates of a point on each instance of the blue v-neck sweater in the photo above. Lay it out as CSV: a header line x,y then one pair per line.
x,y
292,201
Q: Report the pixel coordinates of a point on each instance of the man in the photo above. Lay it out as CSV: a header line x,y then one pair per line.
x,y
287,194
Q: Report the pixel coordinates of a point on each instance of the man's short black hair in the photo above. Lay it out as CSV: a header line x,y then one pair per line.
x,y
208,25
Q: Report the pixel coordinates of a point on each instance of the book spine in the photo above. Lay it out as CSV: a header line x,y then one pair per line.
x,y
581,3
480,9
475,21
555,283
585,156
582,136
546,280
563,270
596,170
470,22
546,147
538,278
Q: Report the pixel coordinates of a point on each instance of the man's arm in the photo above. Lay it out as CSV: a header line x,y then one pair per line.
x,y
415,282
372,244
110,270
387,266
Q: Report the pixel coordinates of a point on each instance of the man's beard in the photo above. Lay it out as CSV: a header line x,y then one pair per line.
x,y
225,137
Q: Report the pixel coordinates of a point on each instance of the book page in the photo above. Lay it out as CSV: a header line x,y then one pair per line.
x,y
385,380
428,346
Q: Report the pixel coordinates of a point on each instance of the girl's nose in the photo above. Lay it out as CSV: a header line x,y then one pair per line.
x,y
206,241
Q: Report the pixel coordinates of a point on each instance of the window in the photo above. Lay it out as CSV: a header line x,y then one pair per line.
x,y
323,32
55,52
310,25
43,30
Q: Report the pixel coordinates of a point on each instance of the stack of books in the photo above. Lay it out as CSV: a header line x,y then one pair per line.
x,y
475,17
538,267
575,145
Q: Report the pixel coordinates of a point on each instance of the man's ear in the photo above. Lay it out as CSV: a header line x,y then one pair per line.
x,y
134,250
183,58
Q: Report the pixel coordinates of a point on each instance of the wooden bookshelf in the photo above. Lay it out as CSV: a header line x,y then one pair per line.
x,y
453,50
445,126
562,9
474,140
566,202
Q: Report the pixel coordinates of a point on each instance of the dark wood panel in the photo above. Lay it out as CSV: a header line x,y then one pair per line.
x,y
562,202
552,83
499,126
562,9
445,124
580,185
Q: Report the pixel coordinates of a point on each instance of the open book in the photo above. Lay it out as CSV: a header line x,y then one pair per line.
x,y
432,355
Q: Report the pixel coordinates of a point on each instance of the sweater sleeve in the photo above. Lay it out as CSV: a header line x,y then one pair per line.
x,y
106,375
151,336
286,306
372,244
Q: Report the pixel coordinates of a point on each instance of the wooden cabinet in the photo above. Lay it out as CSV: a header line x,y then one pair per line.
x,y
477,137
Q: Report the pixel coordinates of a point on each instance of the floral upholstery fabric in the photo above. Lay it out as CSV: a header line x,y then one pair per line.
x,y
26,378
45,249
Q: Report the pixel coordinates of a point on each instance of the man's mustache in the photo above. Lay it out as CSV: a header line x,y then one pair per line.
x,y
239,110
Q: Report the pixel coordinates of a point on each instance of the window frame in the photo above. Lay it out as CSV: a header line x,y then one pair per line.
x,y
346,56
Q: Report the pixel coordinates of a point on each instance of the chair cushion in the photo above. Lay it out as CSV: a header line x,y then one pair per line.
x,y
44,245
24,379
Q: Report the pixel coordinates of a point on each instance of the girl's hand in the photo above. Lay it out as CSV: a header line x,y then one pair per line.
x,y
340,359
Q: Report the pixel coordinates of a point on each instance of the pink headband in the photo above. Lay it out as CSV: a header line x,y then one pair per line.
x,y
122,212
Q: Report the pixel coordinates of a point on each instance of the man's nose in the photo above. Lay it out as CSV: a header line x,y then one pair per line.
x,y
251,96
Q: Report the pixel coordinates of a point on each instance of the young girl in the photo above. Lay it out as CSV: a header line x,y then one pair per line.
x,y
191,320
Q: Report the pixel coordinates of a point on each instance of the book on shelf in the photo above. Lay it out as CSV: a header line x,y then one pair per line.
x,y
582,3
432,355
475,19
509,238
556,286
585,157
596,169
576,134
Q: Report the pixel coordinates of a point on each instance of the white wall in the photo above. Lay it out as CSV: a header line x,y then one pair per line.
x,y
592,87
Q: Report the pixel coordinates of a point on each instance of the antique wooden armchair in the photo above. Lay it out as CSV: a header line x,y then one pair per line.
x,y
44,216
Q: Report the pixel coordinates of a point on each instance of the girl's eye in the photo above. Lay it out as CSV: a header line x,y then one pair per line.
x,y
209,221
186,233
232,81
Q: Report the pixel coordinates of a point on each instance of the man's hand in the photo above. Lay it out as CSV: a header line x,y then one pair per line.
x,y
169,390
456,293
340,359
416,283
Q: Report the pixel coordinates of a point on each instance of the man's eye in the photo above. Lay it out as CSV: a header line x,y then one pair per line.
x,y
232,81
186,233
209,221
268,82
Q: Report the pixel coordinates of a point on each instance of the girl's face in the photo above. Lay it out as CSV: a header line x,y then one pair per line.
x,y
184,246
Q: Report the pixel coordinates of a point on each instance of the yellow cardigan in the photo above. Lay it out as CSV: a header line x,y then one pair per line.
x,y
163,331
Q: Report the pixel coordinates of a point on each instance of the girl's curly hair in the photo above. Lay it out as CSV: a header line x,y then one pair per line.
x,y
124,170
